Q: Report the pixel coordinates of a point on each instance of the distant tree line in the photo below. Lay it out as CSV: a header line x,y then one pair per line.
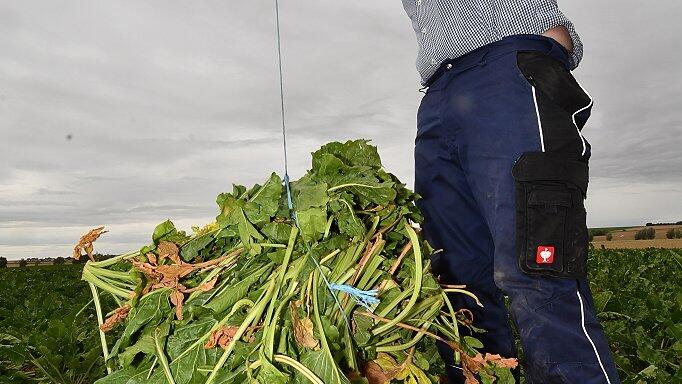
x,y
598,232
55,261
608,232
654,224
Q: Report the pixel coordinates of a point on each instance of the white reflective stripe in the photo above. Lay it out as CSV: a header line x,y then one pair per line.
x,y
537,112
582,321
577,112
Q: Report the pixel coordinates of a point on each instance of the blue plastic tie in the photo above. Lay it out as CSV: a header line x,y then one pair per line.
x,y
292,211
364,298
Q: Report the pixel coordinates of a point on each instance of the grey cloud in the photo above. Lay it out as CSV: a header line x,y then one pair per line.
x,y
168,103
633,73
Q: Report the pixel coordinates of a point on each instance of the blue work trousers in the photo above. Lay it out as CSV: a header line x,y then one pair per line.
x,y
499,223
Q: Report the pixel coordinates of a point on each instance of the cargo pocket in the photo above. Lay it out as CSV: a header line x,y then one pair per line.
x,y
551,230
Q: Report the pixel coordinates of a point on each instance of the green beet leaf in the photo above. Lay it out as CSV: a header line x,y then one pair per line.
x,y
309,194
269,374
166,231
191,250
358,152
263,205
151,310
241,279
277,232
312,222
322,364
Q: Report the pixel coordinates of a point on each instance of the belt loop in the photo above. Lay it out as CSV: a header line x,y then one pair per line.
x,y
483,62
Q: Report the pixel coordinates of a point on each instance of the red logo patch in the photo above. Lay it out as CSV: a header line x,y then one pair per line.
x,y
545,254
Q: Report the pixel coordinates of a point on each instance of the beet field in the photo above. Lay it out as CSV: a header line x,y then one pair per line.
x,y
48,327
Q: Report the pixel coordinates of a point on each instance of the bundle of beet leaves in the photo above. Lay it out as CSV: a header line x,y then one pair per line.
x,y
341,293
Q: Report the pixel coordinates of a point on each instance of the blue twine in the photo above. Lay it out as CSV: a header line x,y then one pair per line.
x,y
292,211
331,290
364,298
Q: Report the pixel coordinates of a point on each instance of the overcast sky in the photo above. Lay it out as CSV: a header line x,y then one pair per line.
x,y
125,113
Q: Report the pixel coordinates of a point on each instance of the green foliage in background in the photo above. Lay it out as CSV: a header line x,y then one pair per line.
x,y
48,330
673,233
646,234
638,297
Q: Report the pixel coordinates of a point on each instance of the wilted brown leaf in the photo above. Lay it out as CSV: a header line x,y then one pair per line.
x,y
151,258
177,298
222,337
207,286
472,365
166,284
383,369
169,250
119,315
354,376
174,272
169,275
469,377
148,269
85,243
303,328
303,333
496,360
374,374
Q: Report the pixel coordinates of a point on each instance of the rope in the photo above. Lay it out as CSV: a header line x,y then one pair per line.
x,y
284,128
364,298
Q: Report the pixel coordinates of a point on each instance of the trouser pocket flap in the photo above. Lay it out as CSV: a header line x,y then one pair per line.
x,y
550,214
543,166
549,198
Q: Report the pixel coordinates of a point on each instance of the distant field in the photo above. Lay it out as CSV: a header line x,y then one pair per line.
x,y
624,238
638,244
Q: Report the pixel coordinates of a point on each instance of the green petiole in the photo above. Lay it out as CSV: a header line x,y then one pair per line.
x,y
417,283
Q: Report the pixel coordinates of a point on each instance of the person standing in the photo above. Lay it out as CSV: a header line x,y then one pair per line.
x,y
502,167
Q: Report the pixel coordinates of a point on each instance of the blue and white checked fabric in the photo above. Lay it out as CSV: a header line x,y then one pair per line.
x,y
448,29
